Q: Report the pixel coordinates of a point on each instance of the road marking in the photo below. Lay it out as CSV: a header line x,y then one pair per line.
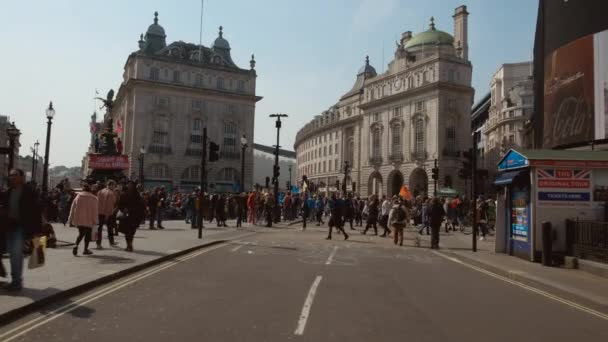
x,y
527,287
331,256
237,248
306,308
54,314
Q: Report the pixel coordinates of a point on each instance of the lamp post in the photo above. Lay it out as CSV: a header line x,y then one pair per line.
x,y
276,173
50,112
34,162
243,148
142,153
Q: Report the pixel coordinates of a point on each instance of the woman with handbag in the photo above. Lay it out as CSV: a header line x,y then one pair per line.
x,y
84,214
131,210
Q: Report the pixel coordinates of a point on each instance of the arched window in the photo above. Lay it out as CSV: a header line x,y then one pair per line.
x,y
396,138
159,171
376,143
227,175
419,138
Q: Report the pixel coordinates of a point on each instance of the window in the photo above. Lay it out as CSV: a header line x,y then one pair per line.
x,y
198,80
511,127
163,102
410,82
329,166
419,106
376,117
154,74
451,75
160,171
336,148
166,73
196,125
324,166
330,149
396,142
511,139
450,139
451,104
231,109
425,76
160,135
397,112
376,143
336,135
230,132
324,151
197,105
336,164
227,175
419,138
220,83
241,85
192,173
176,76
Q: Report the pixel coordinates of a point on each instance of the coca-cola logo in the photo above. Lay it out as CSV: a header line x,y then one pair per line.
x,y
571,120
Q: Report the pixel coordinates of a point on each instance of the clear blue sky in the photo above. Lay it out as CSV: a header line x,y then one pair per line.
x,y
307,52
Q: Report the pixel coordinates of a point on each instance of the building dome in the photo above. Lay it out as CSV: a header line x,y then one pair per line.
x,y
155,29
430,37
367,68
220,42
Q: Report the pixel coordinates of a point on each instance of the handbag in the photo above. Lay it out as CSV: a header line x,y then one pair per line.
x,y
38,257
122,215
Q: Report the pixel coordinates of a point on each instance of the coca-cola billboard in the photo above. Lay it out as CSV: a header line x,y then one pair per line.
x,y
101,162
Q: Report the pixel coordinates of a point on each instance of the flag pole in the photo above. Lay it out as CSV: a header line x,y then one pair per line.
x,y
200,35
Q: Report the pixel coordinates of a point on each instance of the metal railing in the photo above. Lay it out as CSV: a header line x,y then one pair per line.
x,y
587,240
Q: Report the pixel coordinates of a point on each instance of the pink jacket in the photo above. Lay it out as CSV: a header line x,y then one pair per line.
x,y
84,210
107,200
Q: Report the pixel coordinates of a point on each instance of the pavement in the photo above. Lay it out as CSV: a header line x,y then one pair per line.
x,y
278,284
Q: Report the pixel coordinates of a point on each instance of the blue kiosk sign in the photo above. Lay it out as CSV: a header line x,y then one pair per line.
x,y
513,160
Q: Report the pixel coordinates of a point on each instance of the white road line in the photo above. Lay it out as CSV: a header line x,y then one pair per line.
x,y
54,314
527,287
236,248
306,308
331,256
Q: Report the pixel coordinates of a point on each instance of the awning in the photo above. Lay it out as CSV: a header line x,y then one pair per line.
x,y
506,178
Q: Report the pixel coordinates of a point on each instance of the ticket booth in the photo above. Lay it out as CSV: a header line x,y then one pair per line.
x,y
547,186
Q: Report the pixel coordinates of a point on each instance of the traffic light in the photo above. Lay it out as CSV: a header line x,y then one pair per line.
x,y
267,182
214,151
467,163
287,186
435,171
276,171
337,185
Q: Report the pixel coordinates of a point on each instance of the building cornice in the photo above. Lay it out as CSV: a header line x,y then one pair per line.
x,y
333,125
193,64
416,91
132,82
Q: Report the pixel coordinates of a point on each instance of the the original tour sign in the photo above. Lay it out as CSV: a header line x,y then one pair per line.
x,y
563,187
101,162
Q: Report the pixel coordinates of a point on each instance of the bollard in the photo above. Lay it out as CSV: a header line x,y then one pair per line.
x,y
547,243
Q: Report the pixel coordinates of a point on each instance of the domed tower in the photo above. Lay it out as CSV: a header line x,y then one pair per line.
x,y
221,47
155,37
428,38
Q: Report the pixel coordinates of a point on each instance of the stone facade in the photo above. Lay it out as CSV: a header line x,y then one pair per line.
x,y
391,127
169,94
511,104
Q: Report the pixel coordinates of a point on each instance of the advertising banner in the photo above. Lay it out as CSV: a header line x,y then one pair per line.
x,y
563,187
101,162
519,215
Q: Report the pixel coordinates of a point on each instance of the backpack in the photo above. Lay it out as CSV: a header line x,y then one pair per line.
x,y
400,214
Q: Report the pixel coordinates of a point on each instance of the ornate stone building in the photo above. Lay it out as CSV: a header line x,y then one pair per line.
x,y
391,127
168,94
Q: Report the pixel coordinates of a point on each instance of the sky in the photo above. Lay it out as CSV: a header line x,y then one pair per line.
x,y
307,52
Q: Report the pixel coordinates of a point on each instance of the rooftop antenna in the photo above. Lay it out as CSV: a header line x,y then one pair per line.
x,y
200,35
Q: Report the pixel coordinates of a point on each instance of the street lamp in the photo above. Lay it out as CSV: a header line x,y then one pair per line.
x,y
276,173
346,170
289,188
243,148
50,113
13,133
34,161
142,153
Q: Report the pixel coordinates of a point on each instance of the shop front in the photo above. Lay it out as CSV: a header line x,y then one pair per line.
x,y
546,186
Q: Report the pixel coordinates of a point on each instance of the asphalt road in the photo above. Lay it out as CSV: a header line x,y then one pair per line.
x,y
259,289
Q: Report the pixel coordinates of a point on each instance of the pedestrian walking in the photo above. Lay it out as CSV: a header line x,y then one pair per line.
x,y
107,201
307,205
320,209
84,215
424,216
481,210
154,206
268,206
23,219
252,208
372,217
336,209
130,211
398,219
385,210
437,214
349,211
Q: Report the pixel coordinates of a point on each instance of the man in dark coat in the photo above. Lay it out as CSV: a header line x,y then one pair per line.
x,y
436,214
23,220
336,207
154,207
349,211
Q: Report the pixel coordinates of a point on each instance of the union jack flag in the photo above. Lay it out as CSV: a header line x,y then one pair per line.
x,y
575,174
